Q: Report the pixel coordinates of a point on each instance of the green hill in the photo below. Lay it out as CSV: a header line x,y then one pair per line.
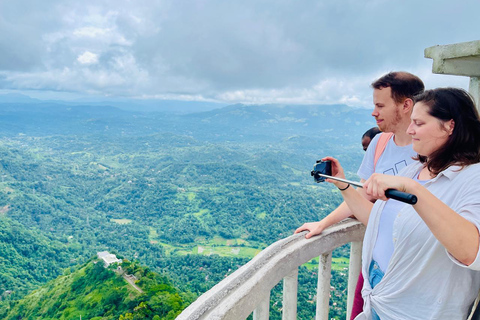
x,y
95,292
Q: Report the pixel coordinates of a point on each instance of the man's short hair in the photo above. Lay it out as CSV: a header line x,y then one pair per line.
x,y
404,85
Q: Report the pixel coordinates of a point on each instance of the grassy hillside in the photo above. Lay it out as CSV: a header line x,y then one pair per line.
x,y
95,292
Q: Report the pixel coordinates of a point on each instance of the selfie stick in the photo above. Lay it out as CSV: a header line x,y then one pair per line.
x,y
389,193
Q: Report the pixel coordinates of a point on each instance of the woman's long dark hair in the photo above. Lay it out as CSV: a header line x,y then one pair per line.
x,y
463,145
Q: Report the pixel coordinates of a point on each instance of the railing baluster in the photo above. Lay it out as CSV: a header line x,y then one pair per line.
x,y
354,270
262,311
323,286
290,289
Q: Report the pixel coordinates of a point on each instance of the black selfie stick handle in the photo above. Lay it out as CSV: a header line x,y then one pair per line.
x,y
401,196
389,193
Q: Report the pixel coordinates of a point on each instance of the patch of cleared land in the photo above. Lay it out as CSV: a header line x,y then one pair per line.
x,y
121,221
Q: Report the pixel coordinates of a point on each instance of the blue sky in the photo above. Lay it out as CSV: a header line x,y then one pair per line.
x,y
270,51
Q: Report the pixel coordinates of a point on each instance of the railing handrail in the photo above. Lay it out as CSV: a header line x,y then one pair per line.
x,y
236,296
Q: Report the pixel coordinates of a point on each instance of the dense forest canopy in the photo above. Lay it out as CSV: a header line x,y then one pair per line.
x,y
213,187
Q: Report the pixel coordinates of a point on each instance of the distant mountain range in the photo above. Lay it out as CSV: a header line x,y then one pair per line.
x,y
142,105
22,115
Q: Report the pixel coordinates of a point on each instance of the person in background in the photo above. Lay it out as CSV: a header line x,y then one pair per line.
x,y
368,136
422,260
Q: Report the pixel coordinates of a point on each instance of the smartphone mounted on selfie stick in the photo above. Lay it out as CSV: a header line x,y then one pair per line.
x,y
323,170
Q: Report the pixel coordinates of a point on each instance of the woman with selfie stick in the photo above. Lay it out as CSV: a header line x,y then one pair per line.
x,y
420,261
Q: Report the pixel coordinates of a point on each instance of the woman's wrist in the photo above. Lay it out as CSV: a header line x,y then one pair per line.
x,y
344,188
412,186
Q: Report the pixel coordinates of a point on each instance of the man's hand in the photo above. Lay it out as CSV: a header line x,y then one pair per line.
x,y
314,228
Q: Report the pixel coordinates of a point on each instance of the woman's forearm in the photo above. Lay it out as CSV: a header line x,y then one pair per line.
x,y
458,235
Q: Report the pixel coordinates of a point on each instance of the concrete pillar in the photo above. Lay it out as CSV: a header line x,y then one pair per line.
x,y
262,312
290,289
474,89
354,269
323,286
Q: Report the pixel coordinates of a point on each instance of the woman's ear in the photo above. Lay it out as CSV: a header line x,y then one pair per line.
x,y
449,126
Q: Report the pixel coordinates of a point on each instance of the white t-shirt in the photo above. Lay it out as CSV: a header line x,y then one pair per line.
x,y
383,250
392,160
423,281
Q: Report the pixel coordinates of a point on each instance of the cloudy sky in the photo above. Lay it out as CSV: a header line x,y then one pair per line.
x,y
249,51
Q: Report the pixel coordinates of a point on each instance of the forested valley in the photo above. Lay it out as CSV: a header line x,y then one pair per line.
x,y
187,197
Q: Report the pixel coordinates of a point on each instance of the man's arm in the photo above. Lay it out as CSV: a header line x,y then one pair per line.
x,y
340,213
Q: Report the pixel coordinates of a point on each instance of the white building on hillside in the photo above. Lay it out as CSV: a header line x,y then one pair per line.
x,y
108,258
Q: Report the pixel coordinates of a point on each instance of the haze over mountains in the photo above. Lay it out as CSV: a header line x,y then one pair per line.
x,y
209,121
144,105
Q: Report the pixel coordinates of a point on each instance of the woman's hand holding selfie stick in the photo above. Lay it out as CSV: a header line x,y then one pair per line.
x,y
323,169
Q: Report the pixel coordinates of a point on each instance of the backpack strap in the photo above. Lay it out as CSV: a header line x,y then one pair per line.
x,y
381,145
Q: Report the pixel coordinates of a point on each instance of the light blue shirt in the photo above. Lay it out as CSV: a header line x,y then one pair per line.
x,y
392,160
383,250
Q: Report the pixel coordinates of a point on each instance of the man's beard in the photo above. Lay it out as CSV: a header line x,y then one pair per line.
x,y
390,126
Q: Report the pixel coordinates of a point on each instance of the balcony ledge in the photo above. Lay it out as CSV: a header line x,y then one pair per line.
x,y
240,293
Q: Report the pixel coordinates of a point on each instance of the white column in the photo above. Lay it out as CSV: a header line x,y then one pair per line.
x,y
354,270
290,289
262,312
474,89
323,286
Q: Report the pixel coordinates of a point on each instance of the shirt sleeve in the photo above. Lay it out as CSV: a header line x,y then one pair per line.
x,y
470,210
366,168
475,264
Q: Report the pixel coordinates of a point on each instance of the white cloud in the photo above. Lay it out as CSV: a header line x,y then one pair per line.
x,y
88,58
328,91
107,36
90,32
319,51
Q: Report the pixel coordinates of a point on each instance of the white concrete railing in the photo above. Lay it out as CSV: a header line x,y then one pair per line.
x,y
248,289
